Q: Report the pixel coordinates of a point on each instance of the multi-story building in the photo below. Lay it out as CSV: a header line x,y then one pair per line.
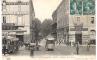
x,y
76,21
54,24
18,13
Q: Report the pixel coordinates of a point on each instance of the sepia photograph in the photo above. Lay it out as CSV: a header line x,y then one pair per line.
x,y
48,29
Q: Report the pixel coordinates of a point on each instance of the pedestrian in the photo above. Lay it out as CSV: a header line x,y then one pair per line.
x,y
32,51
77,48
32,46
46,44
88,46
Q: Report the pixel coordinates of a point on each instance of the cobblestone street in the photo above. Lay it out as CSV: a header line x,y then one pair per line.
x,y
66,50
60,52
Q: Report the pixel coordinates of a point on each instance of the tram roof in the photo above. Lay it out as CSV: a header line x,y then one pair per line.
x,y
50,37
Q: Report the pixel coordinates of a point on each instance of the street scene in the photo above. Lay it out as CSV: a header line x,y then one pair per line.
x,y
34,28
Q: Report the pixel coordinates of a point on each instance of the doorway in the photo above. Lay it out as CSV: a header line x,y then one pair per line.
x,y
78,38
21,37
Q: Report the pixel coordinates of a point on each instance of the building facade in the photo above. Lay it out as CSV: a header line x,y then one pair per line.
x,y
54,24
76,21
20,13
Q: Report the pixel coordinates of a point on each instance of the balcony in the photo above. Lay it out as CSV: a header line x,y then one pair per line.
x,y
10,26
17,3
16,13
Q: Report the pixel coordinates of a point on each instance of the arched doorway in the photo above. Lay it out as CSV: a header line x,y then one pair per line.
x,y
93,36
78,37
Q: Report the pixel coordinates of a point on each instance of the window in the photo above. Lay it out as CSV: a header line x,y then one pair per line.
x,y
92,20
93,32
4,19
92,36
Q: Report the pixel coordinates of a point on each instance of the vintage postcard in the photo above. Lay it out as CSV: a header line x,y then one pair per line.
x,y
48,29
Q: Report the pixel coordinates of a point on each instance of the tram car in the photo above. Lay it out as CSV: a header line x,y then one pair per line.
x,y
50,43
10,44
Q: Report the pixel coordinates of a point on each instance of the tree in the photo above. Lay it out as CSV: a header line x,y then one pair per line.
x,y
36,27
46,27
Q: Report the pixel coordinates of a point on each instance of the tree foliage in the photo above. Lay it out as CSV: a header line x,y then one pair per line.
x,y
36,27
46,27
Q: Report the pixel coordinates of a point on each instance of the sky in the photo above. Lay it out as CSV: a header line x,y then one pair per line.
x,y
45,8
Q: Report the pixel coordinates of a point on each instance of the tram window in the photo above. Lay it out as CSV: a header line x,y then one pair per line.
x,y
4,41
50,42
4,19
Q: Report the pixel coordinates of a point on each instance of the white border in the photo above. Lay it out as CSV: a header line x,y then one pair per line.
x,y
0,30
96,27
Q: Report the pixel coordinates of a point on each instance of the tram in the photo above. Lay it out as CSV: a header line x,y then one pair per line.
x,y
10,44
50,43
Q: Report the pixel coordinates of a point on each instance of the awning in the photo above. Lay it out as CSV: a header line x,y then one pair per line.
x,y
13,30
12,38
